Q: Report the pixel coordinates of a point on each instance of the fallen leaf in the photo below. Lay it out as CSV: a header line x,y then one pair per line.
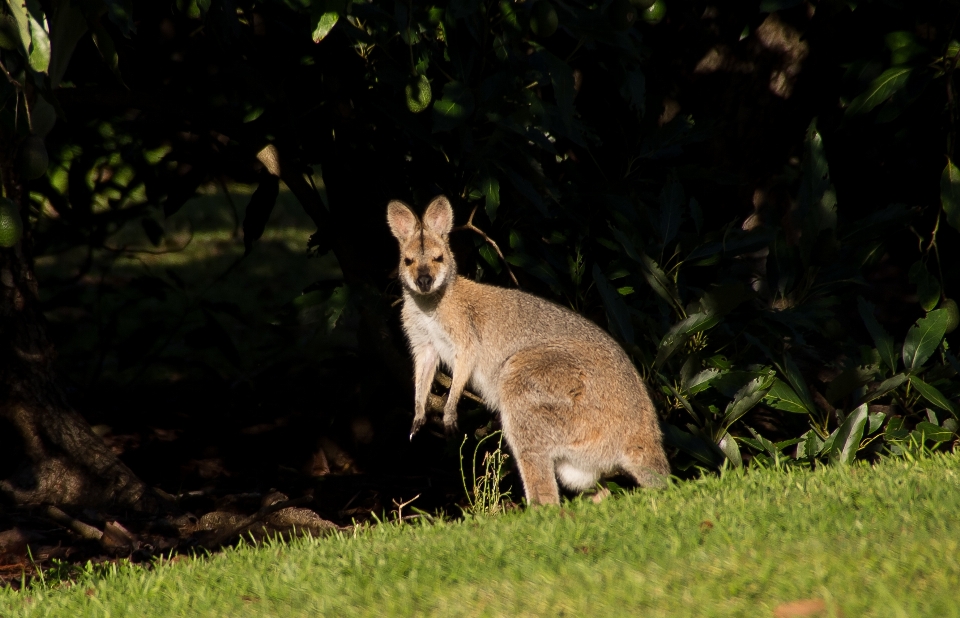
x,y
801,609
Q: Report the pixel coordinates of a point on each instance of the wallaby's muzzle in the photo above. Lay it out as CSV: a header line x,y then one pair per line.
x,y
424,282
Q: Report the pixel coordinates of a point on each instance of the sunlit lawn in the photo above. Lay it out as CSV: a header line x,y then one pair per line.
x,y
863,541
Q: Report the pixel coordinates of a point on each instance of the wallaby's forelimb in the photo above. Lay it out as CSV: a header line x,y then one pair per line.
x,y
425,360
462,370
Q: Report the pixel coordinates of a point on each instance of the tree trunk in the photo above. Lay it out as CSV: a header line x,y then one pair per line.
x,y
48,452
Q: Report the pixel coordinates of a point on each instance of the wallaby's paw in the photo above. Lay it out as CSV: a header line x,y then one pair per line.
x,y
417,425
451,429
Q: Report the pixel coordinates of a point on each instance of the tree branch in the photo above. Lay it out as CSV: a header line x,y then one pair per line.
x,y
471,227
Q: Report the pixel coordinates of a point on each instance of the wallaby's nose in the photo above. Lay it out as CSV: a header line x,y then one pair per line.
x,y
424,282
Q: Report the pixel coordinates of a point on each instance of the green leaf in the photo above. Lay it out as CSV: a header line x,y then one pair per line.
x,y
728,444
879,90
617,311
20,14
875,421
903,46
671,209
761,443
682,330
701,381
455,107
120,12
651,271
850,379
746,398
683,400
885,387
259,209
490,187
895,430
881,338
34,33
253,114
691,444
810,445
324,25
782,397
950,194
795,378
107,49
67,26
490,256
814,173
665,287
933,395
846,440
928,288
933,432
923,338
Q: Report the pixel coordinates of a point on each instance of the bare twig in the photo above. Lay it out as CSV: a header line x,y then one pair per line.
x,y
15,83
471,227
445,382
84,530
403,504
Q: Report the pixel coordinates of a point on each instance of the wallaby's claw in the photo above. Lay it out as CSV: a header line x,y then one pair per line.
x,y
417,425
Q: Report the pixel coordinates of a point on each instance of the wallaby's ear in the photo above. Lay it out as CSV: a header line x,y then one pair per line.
x,y
439,216
401,219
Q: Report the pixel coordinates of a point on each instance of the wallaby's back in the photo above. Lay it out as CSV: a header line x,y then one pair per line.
x,y
571,403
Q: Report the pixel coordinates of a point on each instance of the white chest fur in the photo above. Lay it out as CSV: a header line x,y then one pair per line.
x,y
424,329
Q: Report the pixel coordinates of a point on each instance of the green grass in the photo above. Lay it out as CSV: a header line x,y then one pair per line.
x,y
879,541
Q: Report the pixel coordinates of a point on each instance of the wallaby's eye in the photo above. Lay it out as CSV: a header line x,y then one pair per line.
x,y
439,258
408,261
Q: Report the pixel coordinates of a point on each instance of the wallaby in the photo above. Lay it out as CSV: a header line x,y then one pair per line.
x,y
571,403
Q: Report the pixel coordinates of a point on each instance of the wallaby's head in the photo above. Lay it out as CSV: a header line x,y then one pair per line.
x,y
426,261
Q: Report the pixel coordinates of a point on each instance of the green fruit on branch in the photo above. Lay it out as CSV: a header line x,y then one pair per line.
x,y
418,94
655,13
953,313
622,14
33,159
9,32
11,225
544,19
42,117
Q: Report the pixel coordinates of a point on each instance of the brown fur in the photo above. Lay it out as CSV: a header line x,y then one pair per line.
x,y
571,403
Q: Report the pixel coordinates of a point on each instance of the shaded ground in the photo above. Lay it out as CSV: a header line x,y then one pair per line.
x,y
224,386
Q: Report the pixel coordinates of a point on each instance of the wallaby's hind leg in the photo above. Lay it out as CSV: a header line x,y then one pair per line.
x,y
539,478
647,466
538,389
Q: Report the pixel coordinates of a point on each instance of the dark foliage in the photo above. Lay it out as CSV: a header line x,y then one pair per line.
x,y
759,204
